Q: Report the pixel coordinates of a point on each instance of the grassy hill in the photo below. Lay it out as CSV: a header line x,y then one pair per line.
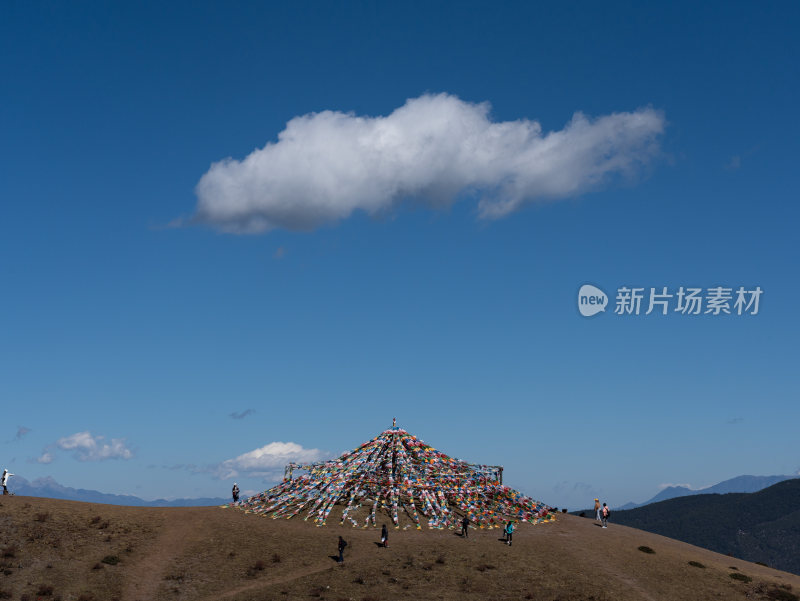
x,y
760,527
72,551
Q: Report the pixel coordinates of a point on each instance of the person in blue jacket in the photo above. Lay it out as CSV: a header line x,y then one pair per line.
x,y
509,532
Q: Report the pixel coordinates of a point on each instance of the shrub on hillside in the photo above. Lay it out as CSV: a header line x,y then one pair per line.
x,y
740,577
646,549
781,594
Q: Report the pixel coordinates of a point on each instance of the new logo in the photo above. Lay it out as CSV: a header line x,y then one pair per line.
x,y
591,300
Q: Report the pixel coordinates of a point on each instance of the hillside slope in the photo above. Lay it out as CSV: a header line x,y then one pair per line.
x,y
762,526
70,551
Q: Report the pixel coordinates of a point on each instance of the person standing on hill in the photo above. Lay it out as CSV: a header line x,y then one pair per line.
x,y
597,509
465,527
384,536
605,512
235,492
509,532
342,545
6,476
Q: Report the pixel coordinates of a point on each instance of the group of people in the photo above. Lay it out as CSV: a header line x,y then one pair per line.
x,y
602,513
508,534
508,530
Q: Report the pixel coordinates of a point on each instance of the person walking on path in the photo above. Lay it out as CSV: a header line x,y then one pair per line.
x,y
235,492
605,512
342,545
597,508
509,532
6,476
384,536
465,527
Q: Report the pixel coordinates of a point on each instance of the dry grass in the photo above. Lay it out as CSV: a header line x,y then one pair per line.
x,y
212,554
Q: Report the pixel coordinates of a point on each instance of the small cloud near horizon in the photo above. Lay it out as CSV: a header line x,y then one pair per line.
x,y
267,461
45,458
735,420
682,485
242,414
434,150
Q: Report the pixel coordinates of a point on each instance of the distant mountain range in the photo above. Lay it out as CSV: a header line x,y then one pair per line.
x,y
48,487
761,527
739,484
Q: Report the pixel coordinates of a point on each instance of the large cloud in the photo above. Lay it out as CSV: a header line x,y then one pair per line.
x,y
90,448
433,149
268,460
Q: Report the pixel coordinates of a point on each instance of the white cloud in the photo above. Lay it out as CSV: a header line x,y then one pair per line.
x,y
45,458
267,460
682,484
432,149
92,448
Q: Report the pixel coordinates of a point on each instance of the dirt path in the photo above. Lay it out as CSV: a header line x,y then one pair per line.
x,y
179,531
292,576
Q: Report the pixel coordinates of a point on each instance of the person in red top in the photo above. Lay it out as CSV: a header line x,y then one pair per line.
x,y
605,512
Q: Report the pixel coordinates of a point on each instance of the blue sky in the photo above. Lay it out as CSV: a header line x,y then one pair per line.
x,y
150,345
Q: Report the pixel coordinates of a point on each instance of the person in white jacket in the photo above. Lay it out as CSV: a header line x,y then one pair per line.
x,y
6,476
